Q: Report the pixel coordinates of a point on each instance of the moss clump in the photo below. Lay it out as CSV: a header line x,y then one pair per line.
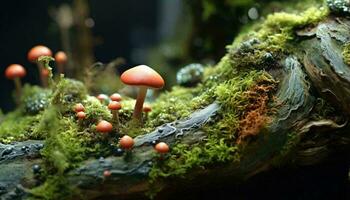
x,y
184,158
346,53
67,93
18,127
339,6
172,106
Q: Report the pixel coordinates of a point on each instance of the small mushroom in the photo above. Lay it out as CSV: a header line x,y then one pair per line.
x,y
162,148
103,98
126,142
107,173
115,106
79,108
81,115
61,60
143,77
116,97
104,127
15,72
146,109
33,55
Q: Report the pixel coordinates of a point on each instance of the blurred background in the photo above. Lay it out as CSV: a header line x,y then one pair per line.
x,y
164,34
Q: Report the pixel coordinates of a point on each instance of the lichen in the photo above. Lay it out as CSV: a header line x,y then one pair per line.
x,y
346,53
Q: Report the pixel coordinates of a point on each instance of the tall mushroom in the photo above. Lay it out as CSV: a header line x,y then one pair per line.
x,y
15,72
144,77
115,106
61,59
33,55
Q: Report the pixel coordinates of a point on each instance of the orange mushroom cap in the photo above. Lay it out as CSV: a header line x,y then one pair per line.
x,y
147,108
37,51
15,71
162,147
107,173
104,127
126,142
81,115
115,97
79,107
142,75
61,57
114,105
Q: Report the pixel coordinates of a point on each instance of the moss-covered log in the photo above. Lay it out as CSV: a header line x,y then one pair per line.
x,y
279,97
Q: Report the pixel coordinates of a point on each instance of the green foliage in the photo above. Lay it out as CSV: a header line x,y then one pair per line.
x,y
55,187
67,93
185,157
171,106
17,127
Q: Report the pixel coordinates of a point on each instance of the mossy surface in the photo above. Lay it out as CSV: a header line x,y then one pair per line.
x,y
240,83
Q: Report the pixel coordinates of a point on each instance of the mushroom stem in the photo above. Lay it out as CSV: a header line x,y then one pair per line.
x,y
139,103
18,86
43,79
116,119
60,68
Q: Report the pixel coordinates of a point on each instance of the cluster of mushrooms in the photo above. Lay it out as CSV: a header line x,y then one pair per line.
x,y
140,76
16,71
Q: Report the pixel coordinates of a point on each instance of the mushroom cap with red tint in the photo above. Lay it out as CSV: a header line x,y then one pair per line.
x,y
147,108
126,142
79,107
162,147
114,105
142,75
37,51
115,97
104,127
61,57
81,115
15,71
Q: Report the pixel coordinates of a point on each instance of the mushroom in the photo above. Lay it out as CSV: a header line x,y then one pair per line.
x,y
104,127
114,106
103,98
146,109
116,97
79,108
144,77
162,148
107,173
33,55
61,60
126,142
15,72
81,115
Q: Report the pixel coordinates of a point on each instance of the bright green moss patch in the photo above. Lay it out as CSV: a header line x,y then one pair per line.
x,y
17,127
171,106
184,158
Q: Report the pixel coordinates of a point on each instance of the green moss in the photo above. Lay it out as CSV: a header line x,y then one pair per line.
x,y
184,158
17,127
67,93
346,53
171,106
